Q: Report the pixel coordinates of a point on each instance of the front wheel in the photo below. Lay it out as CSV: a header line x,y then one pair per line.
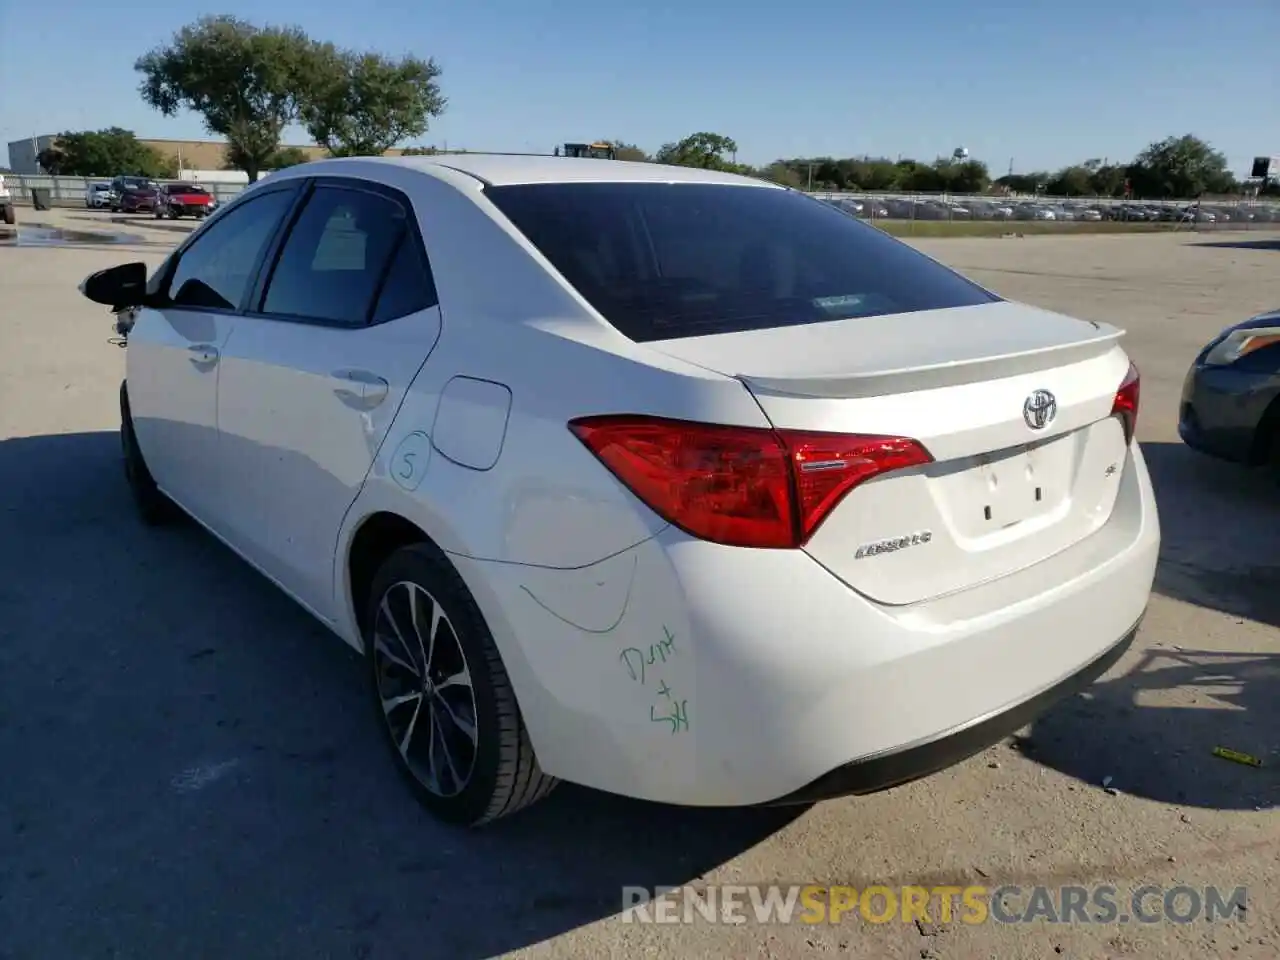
x,y
442,695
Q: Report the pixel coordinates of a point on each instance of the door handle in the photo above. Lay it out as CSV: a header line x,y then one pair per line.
x,y
360,389
203,354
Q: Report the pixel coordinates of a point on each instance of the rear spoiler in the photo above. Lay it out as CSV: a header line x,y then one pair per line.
x,y
878,382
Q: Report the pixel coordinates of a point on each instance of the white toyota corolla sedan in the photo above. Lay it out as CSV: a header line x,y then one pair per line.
x,y
668,482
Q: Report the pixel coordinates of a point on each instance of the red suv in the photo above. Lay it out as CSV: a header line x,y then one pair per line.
x,y
178,199
134,195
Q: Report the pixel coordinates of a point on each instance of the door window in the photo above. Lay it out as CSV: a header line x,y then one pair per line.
x,y
215,271
336,256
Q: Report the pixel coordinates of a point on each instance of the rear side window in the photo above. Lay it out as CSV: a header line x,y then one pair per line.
x,y
408,287
335,257
662,261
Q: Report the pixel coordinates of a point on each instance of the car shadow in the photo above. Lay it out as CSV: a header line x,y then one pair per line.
x,y
1220,532
1152,731
1260,244
195,767
1154,727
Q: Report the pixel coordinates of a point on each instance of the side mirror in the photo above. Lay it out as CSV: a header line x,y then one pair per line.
x,y
117,287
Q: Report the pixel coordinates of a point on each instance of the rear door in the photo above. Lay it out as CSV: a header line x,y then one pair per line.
x,y
315,373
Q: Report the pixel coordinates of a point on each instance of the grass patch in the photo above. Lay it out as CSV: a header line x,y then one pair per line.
x,y
996,228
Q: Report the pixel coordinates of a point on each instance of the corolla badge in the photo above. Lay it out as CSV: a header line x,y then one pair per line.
x,y
893,544
1039,409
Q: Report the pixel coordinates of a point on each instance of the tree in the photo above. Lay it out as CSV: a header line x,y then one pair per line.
x,y
287,157
1182,167
1031,182
779,172
243,80
103,153
968,176
1072,181
1107,180
363,104
705,150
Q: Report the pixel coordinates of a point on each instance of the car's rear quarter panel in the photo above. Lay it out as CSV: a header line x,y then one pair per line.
x,y
545,537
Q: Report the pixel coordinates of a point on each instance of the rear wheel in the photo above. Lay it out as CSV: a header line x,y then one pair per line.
x,y
6,212
442,695
154,507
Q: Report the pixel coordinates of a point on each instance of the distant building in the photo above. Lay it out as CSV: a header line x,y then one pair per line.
x,y
23,153
213,176
212,154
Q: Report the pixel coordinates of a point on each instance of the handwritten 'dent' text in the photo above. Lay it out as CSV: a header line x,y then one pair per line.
x,y
645,667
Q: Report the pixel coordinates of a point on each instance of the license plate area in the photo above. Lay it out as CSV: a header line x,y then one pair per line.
x,y
1013,486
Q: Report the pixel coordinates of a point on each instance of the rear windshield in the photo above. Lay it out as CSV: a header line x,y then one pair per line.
x,y
662,261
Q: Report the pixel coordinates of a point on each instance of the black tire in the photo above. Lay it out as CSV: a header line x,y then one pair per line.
x,y
503,774
8,213
154,507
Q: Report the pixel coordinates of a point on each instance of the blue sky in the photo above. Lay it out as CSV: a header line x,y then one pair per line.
x,y
1039,84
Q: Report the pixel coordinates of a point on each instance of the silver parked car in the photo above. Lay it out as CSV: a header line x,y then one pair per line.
x,y
97,195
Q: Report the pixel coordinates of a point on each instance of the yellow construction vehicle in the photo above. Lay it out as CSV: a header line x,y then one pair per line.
x,y
596,151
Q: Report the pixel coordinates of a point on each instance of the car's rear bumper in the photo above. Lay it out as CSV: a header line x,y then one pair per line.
x,y
896,767
686,672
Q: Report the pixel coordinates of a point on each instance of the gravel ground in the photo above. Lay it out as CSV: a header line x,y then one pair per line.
x,y
193,772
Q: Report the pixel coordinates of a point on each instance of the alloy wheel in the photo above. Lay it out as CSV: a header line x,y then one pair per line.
x,y
424,685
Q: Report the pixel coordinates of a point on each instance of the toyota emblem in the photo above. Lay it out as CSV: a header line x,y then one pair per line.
x,y
1039,409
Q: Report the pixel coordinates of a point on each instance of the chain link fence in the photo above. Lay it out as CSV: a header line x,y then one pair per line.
x,y
73,191
910,213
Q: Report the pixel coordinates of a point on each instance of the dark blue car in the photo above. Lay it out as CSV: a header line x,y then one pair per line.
x,y
1231,397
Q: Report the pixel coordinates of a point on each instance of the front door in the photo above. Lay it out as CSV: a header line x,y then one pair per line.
x,y
314,375
175,351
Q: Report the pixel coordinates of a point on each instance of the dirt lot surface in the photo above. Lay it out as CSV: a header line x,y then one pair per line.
x,y
192,771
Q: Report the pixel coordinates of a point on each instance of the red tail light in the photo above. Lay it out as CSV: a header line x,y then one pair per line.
x,y
741,486
1126,403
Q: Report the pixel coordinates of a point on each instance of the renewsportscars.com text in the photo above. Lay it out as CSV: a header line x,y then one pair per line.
x,y
971,905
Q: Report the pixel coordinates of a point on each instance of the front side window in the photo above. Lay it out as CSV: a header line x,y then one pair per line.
x,y
214,273
333,262
661,261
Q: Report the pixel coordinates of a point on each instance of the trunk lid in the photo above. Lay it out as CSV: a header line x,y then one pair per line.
x,y
1004,492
